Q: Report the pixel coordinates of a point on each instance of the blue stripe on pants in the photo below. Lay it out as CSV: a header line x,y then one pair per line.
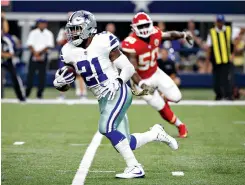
x,y
117,109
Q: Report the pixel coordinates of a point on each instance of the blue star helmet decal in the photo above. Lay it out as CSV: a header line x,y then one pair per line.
x,y
86,16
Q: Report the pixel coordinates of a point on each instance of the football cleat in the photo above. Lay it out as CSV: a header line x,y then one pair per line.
x,y
182,131
132,172
162,136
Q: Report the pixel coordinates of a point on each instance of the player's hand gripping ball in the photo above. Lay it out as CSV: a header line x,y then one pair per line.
x,y
64,77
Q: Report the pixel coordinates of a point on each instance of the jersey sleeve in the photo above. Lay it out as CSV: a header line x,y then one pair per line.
x,y
158,32
113,43
128,45
107,42
65,55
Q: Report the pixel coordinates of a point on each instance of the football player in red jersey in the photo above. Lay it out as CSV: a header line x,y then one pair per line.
x,y
142,49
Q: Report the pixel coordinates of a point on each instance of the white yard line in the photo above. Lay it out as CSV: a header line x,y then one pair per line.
x,y
135,102
239,122
98,171
87,160
76,144
18,143
178,173
86,144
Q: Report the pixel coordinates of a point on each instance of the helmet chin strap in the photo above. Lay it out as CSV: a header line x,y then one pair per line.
x,y
84,44
77,42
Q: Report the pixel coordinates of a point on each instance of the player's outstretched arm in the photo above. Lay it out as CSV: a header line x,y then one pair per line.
x,y
122,63
137,79
174,35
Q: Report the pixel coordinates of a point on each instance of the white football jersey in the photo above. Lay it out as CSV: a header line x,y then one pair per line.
x,y
93,63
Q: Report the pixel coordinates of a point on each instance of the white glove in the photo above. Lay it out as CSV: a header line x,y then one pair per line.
x,y
188,37
112,87
61,80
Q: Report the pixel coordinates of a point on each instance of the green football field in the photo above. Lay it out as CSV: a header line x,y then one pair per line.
x,y
57,136
51,93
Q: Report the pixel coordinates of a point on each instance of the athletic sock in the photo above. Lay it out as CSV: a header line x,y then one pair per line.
x,y
140,139
121,144
177,123
124,149
168,115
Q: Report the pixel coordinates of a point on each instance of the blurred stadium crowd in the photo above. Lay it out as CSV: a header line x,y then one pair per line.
x,y
175,56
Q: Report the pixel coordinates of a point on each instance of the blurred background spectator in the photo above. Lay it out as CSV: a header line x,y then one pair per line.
x,y
239,48
39,41
7,55
220,42
162,26
5,24
111,28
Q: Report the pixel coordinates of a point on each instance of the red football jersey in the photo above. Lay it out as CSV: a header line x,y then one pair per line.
x,y
147,53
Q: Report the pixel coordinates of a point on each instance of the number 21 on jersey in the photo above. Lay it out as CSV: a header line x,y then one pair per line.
x,y
91,78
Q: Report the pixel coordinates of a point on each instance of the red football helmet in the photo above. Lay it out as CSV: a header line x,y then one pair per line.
x,y
142,25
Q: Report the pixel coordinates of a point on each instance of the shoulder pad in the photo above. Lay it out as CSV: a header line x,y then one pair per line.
x,y
128,45
108,40
156,30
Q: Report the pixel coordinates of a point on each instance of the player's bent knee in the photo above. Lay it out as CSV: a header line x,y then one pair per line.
x,y
102,130
177,97
156,101
173,94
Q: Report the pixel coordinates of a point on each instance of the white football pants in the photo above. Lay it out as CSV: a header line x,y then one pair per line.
x,y
165,85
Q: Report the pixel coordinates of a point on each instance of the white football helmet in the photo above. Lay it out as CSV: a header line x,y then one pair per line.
x,y
80,25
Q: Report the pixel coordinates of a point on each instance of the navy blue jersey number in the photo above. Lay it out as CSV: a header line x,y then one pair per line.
x,y
87,74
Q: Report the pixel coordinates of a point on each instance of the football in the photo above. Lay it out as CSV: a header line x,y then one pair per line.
x,y
67,86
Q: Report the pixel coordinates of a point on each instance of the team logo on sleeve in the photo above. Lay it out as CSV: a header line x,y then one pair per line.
x,y
156,42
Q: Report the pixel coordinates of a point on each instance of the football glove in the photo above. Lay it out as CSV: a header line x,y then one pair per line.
x,y
146,90
141,93
63,78
111,88
188,37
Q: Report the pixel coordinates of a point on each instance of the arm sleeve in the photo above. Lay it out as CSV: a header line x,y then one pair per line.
x,y
127,69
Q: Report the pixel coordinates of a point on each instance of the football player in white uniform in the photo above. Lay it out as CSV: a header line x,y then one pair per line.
x,y
97,58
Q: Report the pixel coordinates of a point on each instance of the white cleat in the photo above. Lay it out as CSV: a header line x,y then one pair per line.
x,y
162,136
132,172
